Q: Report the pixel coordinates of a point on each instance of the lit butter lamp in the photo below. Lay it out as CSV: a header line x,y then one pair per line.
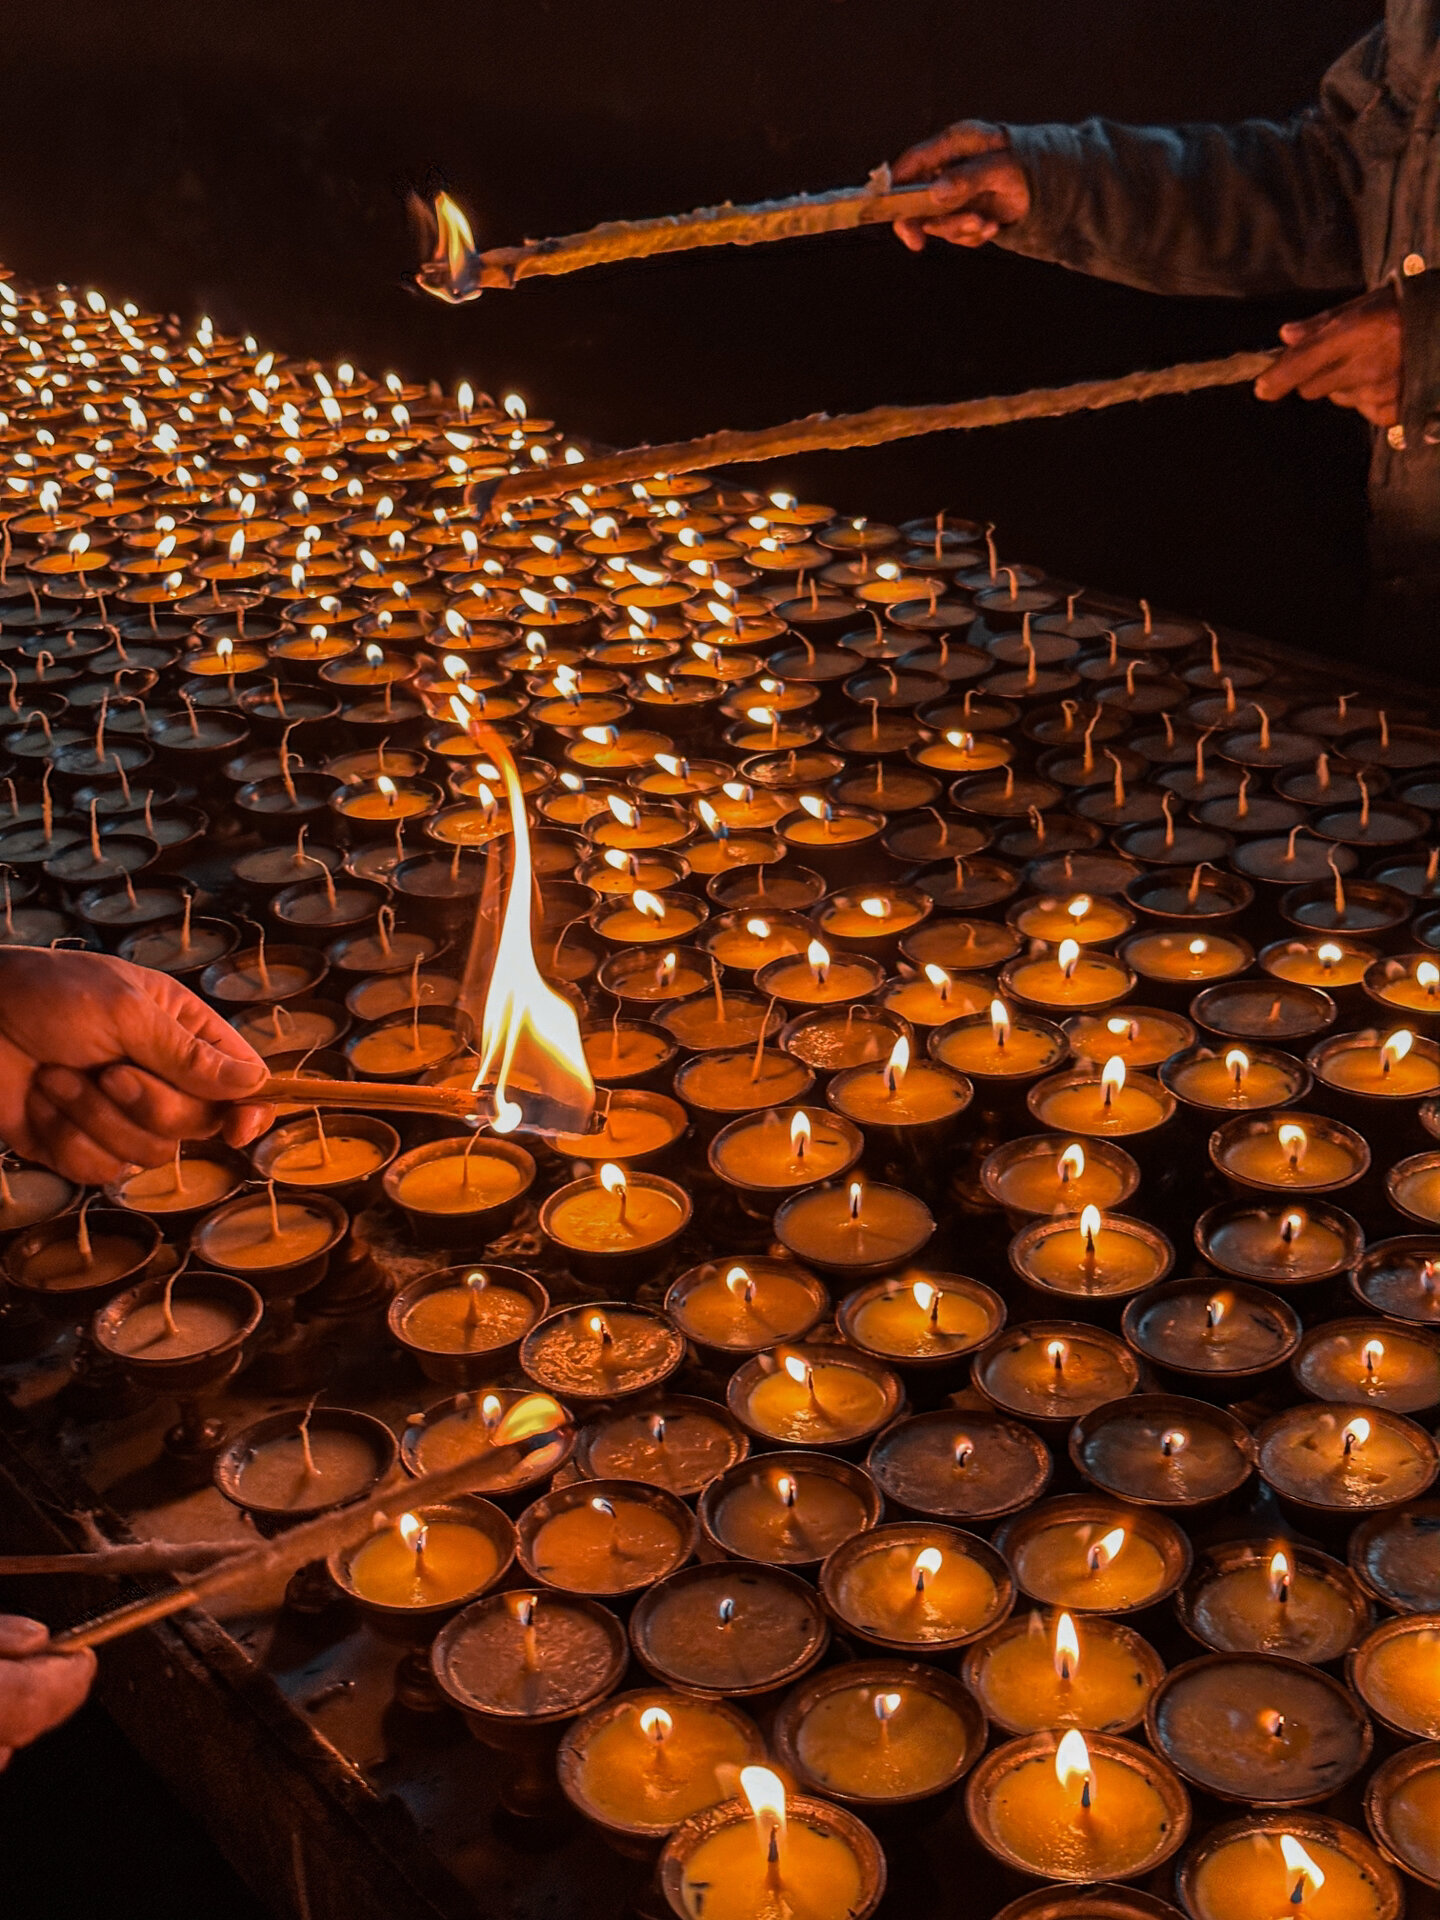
x,y
1067,1806
1091,1254
607,1537
914,1587
1094,1556
741,1307
640,1763
1302,1865
431,1561
815,1396
1255,1596
1033,1672
1049,1372
1112,1103
788,1509
770,1854
881,1733
1039,1175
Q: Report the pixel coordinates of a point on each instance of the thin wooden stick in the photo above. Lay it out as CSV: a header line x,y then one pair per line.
x,y
377,1096
127,1558
822,432
248,1573
457,273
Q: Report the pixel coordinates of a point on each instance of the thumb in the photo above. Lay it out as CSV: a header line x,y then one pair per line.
x,y
194,1051
19,1637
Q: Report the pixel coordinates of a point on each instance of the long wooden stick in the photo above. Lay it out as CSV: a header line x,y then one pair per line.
x,y
244,1574
822,432
121,1561
458,273
372,1096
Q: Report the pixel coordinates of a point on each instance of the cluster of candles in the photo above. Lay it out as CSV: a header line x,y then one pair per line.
x,y
911,917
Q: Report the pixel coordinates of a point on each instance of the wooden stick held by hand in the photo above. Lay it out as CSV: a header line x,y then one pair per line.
x,y
822,432
248,1575
457,273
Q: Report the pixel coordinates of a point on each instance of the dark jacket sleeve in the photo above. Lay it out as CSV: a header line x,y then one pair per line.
x,y
1420,362
1258,208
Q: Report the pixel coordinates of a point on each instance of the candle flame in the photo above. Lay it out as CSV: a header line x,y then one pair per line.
x,y
939,979
1090,1227
1072,1764
856,1192
797,1369
1355,1433
224,648
1079,906
818,954
374,656
531,1053
1174,1440
1281,1574
1294,1142
764,1792
1071,1164
999,1022
236,548
412,1531
386,785
887,1705
649,904
962,742
874,907
1329,955
1309,1878
612,1178
655,1724
1292,1225
1199,946
1056,1353
1216,1308
1427,976
800,1135
1068,957
898,1065
1112,1077
928,1563
1394,1050
490,1411
1067,1648
1372,1353
817,809
1104,1550
627,815
924,1295
1237,1065
758,929
787,1489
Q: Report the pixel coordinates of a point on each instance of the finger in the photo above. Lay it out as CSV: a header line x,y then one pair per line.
x,y
158,1108
1294,331
61,1145
77,1099
247,1123
1379,404
192,1049
959,142
911,234
37,1694
20,1637
1294,368
1325,380
963,229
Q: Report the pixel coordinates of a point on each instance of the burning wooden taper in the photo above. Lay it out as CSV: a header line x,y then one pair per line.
x,y
457,272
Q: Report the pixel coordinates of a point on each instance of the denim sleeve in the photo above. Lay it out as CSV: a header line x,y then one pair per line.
x,y
1253,209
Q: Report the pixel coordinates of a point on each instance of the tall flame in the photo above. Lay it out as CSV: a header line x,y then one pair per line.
x,y
452,273
1309,1876
532,1060
1072,1764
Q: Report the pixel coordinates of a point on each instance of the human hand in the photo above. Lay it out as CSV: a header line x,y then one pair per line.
x,y
37,1689
1351,355
980,182
104,1065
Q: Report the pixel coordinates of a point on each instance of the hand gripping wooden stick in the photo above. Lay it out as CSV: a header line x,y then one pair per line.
x,y
458,273
249,1574
369,1096
823,432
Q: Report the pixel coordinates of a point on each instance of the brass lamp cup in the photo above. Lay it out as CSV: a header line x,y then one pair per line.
x,y
583,1493
78,1303
795,1709
474,1226
191,1372
800,1810
417,1624
463,1368
1311,1830
356,1189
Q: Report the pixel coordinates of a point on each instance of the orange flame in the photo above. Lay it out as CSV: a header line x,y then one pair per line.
x,y
532,1060
452,273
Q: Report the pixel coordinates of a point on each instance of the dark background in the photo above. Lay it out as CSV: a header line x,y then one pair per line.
x,y
251,159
